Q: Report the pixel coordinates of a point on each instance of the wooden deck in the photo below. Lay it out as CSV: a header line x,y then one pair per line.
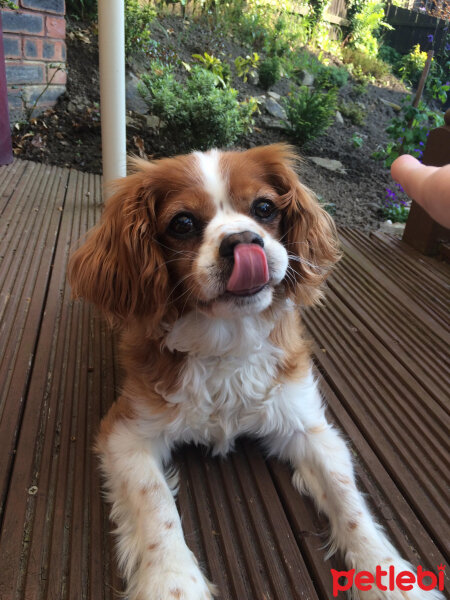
x,y
381,346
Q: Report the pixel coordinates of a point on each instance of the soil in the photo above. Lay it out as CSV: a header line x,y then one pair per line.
x,y
70,135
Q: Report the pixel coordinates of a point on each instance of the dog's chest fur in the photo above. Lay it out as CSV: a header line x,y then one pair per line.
x,y
227,384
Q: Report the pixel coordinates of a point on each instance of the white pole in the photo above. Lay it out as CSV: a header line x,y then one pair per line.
x,y
111,39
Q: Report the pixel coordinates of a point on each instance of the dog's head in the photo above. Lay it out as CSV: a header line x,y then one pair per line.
x,y
225,233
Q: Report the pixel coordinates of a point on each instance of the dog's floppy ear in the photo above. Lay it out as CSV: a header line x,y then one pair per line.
x,y
308,232
120,268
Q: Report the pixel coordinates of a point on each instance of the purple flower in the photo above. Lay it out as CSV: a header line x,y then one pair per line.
x,y
447,47
430,38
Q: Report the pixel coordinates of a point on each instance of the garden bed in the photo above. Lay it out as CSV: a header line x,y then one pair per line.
x,y
69,134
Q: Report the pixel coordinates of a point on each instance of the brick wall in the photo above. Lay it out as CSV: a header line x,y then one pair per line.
x,y
34,44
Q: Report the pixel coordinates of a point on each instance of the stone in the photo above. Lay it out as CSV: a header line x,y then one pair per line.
x,y
307,78
396,107
275,109
153,122
393,228
134,100
339,118
275,96
328,163
272,123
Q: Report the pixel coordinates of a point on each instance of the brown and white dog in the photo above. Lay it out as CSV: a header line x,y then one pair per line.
x,y
202,261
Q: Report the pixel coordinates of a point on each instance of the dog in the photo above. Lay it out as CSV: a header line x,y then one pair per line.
x,y
202,261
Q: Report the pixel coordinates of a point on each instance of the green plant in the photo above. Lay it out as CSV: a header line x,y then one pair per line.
x,y
8,4
310,112
412,65
82,9
246,67
301,60
329,77
390,55
395,208
138,17
359,88
438,84
221,71
408,131
363,64
269,72
29,110
353,111
249,107
317,8
245,21
366,19
206,114
357,140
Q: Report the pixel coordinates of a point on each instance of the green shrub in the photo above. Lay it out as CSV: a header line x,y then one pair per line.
x,y
366,19
138,17
301,60
352,111
390,55
359,89
220,70
269,72
310,112
204,114
364,64
329,77
412,64
246,66
408,131
394,207
81,9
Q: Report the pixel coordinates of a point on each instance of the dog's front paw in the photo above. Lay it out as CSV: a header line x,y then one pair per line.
x,y
177,580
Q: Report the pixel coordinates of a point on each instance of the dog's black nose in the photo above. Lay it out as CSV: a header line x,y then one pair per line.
x,y
243,237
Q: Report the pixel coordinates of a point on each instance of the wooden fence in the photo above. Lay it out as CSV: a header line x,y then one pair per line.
x,y
411,28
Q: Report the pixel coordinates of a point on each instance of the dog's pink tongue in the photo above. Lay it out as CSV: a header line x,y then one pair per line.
x,y
250,270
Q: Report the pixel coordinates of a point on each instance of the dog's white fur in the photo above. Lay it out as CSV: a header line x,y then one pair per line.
x,y
229,385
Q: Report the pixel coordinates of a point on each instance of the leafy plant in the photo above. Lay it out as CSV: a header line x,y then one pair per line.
x,y
359,88
8,4
390,55
221,71
357,140
408,131
317,8
353,111
329,77
395,208
249,107
310,112
138,18
366,19
82,9
412,64
206,114
269,72
438,84
363,64
246,66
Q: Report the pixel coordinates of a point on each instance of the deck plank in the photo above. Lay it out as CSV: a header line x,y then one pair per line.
x,y
381,349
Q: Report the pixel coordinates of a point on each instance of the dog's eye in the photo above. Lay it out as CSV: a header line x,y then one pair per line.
x,y
183,225
264,209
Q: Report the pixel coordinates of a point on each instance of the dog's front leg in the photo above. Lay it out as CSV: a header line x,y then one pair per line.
x,y
323,468
152,553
